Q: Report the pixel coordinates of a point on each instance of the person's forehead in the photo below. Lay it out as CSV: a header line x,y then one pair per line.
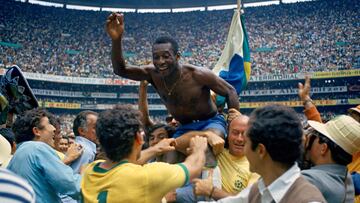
x,y
238,123
159,130
164,47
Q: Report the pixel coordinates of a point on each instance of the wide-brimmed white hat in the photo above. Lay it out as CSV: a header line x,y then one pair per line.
x,y
343,130
355,109
5,151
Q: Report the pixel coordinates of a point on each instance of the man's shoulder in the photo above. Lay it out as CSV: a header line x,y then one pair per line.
x,y
193,68
33,146
164,168
303,191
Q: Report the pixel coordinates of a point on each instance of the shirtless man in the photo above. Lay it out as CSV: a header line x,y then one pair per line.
x,y
184,89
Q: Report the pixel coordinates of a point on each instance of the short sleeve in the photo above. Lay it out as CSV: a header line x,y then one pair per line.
x,y
166,177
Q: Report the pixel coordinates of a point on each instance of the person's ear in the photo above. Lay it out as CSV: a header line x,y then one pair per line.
x,y
261,150
324,148
81,131
139,138
36,132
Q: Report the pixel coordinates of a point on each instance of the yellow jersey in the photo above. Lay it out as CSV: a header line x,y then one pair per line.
x,y
235,174
128,182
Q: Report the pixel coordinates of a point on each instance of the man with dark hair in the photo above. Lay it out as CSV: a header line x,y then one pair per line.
x,y
183,88
330,147
37,162
84,130
272,146
121,137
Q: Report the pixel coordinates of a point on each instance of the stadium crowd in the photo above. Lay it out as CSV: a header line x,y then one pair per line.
x,y
48,162
287,38
121,155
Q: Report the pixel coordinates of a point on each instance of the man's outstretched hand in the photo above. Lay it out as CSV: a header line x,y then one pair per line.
x,y
115,26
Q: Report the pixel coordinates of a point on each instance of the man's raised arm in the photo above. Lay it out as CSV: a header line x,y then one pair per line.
x,y
115,28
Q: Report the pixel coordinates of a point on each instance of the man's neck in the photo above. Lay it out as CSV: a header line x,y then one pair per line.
x,y
174,75
276,170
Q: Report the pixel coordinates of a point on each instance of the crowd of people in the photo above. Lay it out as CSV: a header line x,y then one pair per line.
x,y
286,38
205,152
105,154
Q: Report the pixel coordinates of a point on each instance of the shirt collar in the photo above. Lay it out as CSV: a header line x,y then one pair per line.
x,y
87,141
281,185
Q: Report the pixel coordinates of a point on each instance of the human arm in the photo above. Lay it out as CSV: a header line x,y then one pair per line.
x,y
310,109
218,85
214,140
74,152
206,188
196,160
115,27
61,177
143,104
165,145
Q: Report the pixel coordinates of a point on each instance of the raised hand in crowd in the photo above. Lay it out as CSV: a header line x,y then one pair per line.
x,y
115,26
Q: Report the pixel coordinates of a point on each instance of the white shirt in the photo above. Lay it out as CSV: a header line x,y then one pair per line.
x,y
274,192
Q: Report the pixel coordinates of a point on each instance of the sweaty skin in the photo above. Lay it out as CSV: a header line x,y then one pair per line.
x,y
184,89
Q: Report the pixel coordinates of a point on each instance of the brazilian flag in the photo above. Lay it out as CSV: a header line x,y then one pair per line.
x,y
234,64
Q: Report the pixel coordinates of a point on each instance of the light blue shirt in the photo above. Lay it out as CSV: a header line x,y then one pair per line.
x,y
39,164
87,156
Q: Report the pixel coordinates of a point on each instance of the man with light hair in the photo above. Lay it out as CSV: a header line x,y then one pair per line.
x,y
272,145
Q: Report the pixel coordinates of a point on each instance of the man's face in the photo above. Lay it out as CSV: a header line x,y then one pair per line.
x,y
312,146
157,135
64,145
250,154
46,132
164,58
236,137
90,131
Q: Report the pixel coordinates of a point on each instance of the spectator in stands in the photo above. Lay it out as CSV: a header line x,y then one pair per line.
x,y
278,37
330,147
36,161
234,167
272,146
120,135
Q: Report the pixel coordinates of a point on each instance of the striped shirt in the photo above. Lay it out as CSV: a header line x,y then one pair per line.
x,y
14,189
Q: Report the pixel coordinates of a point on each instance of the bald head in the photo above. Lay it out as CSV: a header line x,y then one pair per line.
x,y
235,139
239,120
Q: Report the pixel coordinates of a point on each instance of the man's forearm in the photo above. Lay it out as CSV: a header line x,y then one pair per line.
x,y
233,100
117,58
219,194
146,155
143,105
182,142
194,163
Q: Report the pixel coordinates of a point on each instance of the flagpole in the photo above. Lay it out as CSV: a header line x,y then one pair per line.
x,y
238,5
